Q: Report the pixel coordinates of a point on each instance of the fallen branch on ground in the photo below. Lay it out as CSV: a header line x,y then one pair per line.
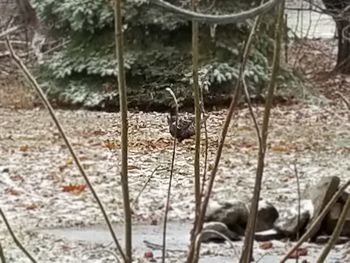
x,y
346,101
10,31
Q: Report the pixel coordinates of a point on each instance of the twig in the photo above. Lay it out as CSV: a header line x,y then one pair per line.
x,y
124,133
316,222
299,203
251,225
204,177
197,109
217,19
171,174
198,240
144,186
336,233
156,246
48,105
250,107
231,110
2,256
58,46
19,245
346,101
10,31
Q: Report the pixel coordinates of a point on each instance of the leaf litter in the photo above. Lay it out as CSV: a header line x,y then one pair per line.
x,y
38,176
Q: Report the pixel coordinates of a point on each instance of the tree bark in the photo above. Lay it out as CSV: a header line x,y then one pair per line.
x,y
340,11
27,12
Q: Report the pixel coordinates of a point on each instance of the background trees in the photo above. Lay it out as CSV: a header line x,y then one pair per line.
x,y
158,54
340,12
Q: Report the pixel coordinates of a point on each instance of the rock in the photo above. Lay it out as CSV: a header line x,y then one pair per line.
x,y
219,227
267,215
271,234
6,170
332,218
287,223
320,194
234,214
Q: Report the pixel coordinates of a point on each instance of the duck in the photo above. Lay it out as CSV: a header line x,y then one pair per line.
x,y
185,126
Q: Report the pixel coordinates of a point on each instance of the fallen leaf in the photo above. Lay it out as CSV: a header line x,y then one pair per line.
x,y
298,253
110,145
24,148
67,248
148,254
31,206
69,161
17,178
83,158
280,148
133,167
74,188
12,191
266,245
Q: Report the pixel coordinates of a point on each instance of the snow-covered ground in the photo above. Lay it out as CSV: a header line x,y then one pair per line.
x,y
35,166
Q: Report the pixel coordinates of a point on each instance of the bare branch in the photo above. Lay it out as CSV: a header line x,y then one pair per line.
x,y
10,31
251,225
250,107
197,109
123,102
2,256
47,104
231,110
171,175
144,186
217,19
19,245
346,101
198,239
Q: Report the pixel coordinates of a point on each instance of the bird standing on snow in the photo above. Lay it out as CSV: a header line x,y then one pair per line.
x,y
185,126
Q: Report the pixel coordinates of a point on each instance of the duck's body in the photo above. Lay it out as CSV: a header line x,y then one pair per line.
x,y
185,126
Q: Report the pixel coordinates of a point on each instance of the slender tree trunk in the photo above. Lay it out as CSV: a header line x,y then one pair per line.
x,y
343,57
27,12
338,10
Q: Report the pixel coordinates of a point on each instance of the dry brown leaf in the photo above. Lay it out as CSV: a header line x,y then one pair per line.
x,y
133,167
298,253
32,206
110,145
266,245
24,148
12,191
74,188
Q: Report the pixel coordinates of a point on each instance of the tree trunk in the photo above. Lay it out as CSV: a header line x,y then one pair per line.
x,y
28,15
341,16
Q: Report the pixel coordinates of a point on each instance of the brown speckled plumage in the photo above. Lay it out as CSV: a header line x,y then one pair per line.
x,y
185,127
